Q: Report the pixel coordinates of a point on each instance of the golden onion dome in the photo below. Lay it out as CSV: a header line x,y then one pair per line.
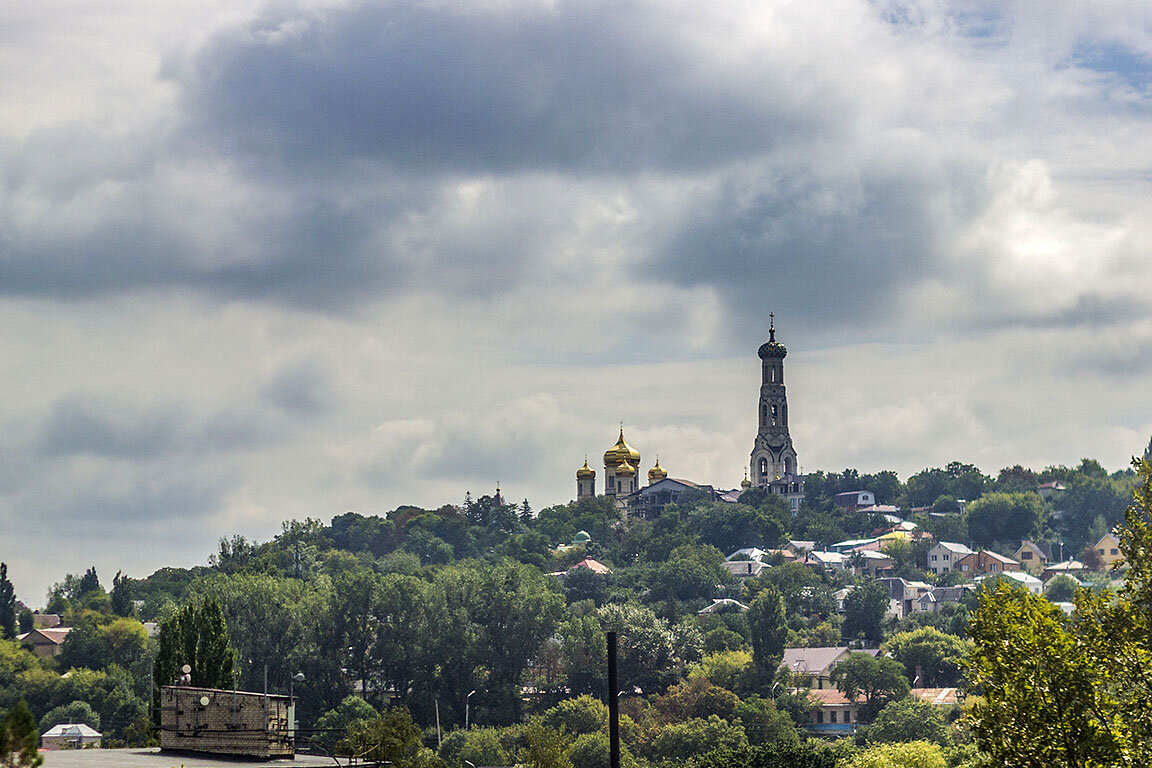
x,y
585,471
657,472
621,452
625,469
745,484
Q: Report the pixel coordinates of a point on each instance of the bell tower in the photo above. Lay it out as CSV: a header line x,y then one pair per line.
x,y
773,456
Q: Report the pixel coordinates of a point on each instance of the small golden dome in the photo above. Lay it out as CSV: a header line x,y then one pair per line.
x,y
745,484
585,471
625,469
621,452
657,472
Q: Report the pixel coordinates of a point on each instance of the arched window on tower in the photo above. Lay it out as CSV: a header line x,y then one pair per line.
x,y
773,415
771,374
763,415
763,467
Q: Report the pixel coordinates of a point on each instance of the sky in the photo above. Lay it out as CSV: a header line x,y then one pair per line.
x,y
263,261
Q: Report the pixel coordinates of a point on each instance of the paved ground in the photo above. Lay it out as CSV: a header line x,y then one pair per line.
x,y
152,758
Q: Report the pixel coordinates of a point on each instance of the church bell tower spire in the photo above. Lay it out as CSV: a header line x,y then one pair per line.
x,y
773,456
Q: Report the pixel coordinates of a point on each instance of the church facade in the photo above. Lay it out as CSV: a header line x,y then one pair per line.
x,y
773,465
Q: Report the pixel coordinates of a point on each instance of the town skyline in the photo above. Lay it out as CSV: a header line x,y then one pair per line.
x,y
269,261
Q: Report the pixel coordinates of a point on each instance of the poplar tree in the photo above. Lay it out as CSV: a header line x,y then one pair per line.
x,y
7,605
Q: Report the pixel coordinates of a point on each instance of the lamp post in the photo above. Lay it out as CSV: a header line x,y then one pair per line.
x,y
466,703
296,678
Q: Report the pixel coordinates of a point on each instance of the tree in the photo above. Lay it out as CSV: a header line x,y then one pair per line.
x,y
1004,517
909,720
767,623
592,751
1061,589
333,724
74,712
914,754
89,582
7,605
545,747
864,611
196,636
766,756
583,714
697,736
122,603
18,738
933,655
391,737
1059,691
878,680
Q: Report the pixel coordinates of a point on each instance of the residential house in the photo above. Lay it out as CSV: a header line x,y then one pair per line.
x,y
943,556
799,547
933,600
722,605
1025,579
1047,490
749,553
45,620
903,595
744,569
829,561
1033,555
45,642
70,736
832,713
869,563
1108,548
853,500
814,664
983,562
1073,568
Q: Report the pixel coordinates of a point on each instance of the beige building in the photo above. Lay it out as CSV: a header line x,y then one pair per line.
x,y
1109,550
226,722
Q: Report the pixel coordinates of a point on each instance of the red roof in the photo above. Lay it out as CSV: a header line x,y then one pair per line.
x,y
593,565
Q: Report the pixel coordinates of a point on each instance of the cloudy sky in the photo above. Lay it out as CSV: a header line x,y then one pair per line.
x,y
270,260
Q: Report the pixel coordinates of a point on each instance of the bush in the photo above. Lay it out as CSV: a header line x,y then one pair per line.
x,y
908,720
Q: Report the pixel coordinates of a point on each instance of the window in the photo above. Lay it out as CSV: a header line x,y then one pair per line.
x,y
933,558
847,715
832,716
992,567
773,415
1025,555
1101,551
964,567
819,716
946,557
1115,551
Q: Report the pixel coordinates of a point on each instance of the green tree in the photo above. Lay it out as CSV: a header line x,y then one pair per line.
x,y
545,747
1004,517
767,624
7,605
18,738
592,751
877,680
766,756
196,636
936,655
679,741
864,611
391,737
913,754
909,720
583,714
122,598
1061,589
333,724
74,712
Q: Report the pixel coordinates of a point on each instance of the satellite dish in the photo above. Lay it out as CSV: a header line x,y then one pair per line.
x,y
186,669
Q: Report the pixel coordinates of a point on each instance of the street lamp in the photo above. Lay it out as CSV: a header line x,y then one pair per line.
x,y
296,678
466,698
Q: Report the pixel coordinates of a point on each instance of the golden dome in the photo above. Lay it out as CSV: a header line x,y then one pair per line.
x,y
657,472
621,452
585,471
625,469
745,483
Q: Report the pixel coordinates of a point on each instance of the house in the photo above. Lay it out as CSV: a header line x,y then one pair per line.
x,y
903,595
593,565
1073,568
933,600
944,555
1047,490
1033,556
815,664
744,569
853,500
938,696
45,642
799,547
829,561
832,713
649,501
749,553
1025,579
850,544
869,563
45,620
839,596
983,562
1108,548
722,605
70,736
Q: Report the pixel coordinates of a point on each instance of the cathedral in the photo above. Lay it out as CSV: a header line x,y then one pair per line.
x,y
772,466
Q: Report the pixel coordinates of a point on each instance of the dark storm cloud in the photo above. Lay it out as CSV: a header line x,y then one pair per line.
x,y
85,425
602,86
795,241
